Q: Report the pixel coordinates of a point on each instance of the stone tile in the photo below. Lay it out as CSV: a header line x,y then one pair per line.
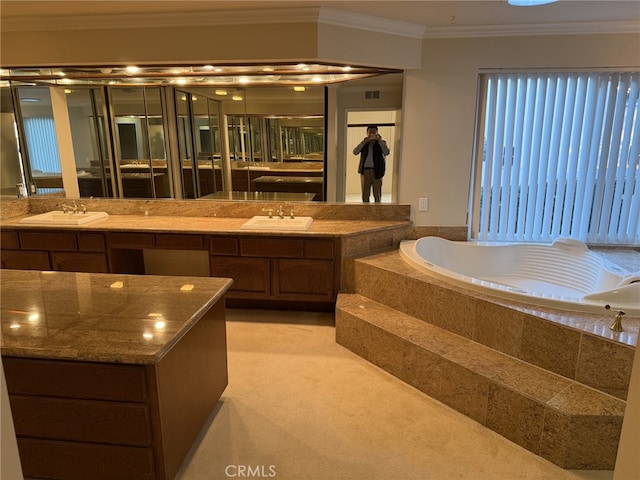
x,y
555,437
593,442
532,381
550,346
605,365
481,360
515,417
463,390
577,399
454,312
421,369
580,442
498,327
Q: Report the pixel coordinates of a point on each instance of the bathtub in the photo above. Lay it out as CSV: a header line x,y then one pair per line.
x,y
564,274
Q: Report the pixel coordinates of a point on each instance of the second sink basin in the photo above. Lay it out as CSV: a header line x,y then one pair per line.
x,y
56,217
260,222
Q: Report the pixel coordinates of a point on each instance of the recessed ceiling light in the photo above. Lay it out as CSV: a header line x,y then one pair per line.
x,y
346,68
236,98
221,92
243,80
132,69
316,79
299,88
529,3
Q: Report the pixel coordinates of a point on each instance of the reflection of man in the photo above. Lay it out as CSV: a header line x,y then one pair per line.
x,y
372,150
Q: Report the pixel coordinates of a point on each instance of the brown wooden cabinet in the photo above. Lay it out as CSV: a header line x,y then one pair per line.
x,y
25,260
99,420
282,268
54,250
278,269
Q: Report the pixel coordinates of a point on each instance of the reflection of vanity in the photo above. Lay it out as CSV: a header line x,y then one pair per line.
x,y
134,185
292,184
104,386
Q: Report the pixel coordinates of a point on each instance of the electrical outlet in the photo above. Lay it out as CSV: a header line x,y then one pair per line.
x,y
423,205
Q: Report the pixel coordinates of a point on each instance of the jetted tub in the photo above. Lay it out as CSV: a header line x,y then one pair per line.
x,y
564,274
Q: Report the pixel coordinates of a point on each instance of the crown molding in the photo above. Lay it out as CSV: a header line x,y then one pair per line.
x,y
160,19
270,16
342,18
577,28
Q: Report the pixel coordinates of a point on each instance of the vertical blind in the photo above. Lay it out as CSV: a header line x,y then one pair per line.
x,y
42,145
559,157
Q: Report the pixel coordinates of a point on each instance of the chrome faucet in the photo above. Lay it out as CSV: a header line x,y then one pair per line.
x,y
616,326
269,211
280,211
74,208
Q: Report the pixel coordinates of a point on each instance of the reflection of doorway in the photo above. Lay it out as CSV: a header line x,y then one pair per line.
x,y
357,122
128,141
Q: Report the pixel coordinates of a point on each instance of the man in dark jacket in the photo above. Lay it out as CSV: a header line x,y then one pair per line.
x,y
372,150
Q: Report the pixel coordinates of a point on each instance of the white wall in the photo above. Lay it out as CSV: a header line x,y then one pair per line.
x,y
439,107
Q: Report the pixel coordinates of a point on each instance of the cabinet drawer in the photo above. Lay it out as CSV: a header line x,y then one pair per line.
x,y
48,241
271,247
79,262
168,240
222,245
91,242
81,420
75,379
319,249
9,240
139,240
27,260
57,459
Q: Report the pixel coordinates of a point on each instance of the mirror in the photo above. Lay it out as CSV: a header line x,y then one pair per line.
x,y
234,134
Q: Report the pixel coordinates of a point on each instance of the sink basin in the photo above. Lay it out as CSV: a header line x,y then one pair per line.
x,y
260,222
60,218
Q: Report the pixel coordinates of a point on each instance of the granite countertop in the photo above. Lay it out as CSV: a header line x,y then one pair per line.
x,y
100,317
182,224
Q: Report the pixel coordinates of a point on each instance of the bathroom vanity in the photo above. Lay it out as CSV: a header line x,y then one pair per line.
x,y
111,375
270,269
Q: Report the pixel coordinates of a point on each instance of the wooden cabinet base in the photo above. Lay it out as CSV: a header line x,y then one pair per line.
x,y
72,460
141,427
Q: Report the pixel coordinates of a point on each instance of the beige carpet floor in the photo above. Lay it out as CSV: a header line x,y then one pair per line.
x,y
301,407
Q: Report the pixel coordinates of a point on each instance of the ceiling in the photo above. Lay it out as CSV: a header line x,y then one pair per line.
x,y
434,15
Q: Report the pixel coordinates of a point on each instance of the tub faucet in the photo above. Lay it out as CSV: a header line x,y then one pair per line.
x,y
616,326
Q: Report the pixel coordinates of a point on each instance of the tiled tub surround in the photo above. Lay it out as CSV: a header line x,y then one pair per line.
x,y
553,382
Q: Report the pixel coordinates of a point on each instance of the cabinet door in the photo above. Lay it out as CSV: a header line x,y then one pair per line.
x,y
302,279
20,260
251,276
79,262
48,241
9,239
91,242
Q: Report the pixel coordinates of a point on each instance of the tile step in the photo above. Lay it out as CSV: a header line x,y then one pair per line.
x,y
564,421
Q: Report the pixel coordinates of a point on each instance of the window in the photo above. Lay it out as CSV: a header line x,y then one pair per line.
x,y
42,144
558,155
